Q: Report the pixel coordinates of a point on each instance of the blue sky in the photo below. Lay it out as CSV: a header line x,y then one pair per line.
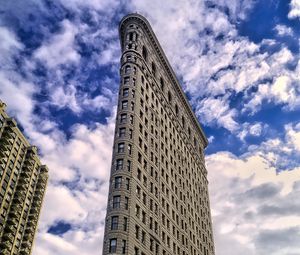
x,y
238,62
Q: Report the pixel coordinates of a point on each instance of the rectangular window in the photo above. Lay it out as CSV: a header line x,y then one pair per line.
x,y
126,80
126,203
127,184
121,147
119,164
128,165
124,105
125,224
114,222
113,245
123,118
129,149
125,92
122,132
137,231
116,201
123,246
118,182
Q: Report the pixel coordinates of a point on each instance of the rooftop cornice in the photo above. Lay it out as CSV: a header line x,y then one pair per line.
x,y
147,28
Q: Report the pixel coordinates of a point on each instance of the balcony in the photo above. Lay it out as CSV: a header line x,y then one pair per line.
x,y
26,244
24,251
34,210
33,217
5,252
8,237
28,238
29,162
14,214
10,229
16,208
24,180
12,221
6,244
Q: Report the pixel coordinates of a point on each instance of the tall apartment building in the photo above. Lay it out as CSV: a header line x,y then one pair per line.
x,y
158,197
22,186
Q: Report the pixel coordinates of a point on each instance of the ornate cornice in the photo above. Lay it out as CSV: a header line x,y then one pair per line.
x,y
160,53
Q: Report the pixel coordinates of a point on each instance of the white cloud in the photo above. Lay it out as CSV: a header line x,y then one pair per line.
x,y
283,30
9,45
248,129
250,185
216,111
60,48
294,9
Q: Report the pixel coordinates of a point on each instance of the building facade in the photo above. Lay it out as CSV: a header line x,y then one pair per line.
x,y
158,197
23,181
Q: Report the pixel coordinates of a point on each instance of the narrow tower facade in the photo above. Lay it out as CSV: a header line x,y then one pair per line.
x,y
23,181
158,197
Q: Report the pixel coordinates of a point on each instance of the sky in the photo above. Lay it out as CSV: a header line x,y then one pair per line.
x,y
238,63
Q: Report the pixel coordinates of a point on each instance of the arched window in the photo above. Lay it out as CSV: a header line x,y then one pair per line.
x,y
153,69
145,53
162,84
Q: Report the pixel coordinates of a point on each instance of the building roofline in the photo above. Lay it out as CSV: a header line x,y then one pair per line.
x,y
165,61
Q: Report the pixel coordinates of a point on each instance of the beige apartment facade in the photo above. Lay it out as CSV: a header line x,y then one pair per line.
x,y
158,197
23,181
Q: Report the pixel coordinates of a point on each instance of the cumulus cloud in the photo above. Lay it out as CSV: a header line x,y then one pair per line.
x,y
60,48
283,30
212,110
294,9
248,219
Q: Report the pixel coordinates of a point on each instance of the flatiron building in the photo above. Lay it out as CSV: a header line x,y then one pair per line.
x,y
158,197
23,182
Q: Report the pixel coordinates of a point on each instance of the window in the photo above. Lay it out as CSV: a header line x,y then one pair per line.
x,y
125,224
122,132
118,182
128,165
123,246
124,105
114,222
138,191
127,69
113,245
126,80
129,149
162,84
143,239
121,147
176,109
169,96
119,164
116,202
145,53
127,184
137,231
126,203
123,118
136,251
125,92
153,69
